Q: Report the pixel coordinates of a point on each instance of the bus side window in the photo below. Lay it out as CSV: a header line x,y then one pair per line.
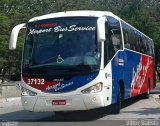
x,y
108,46
148,47
142,45
113,38
126,42
126,35
116,40
114,33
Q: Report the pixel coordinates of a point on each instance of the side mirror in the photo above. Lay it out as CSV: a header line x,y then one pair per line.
x,y
14,35
101,37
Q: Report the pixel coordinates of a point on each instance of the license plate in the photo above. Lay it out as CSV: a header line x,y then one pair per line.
x,y
59,102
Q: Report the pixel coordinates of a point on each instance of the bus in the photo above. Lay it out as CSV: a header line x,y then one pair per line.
x,y
83,60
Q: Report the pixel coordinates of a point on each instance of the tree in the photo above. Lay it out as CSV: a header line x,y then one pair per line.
x,y
142,14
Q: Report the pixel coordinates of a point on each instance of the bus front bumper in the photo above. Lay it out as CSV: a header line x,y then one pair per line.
x,y
72,102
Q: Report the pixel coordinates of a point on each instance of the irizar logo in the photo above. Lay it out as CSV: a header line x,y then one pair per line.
x,y
58,80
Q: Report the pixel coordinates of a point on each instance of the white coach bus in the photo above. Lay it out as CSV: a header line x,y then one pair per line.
x,y
81,60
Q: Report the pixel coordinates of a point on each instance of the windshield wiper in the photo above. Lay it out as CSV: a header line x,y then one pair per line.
x,y
82,68
42,65
76,68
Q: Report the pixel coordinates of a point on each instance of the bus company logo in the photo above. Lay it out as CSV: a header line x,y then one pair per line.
x,y
74,28
58,80
34,31
119,61
59,86
62,29
139,75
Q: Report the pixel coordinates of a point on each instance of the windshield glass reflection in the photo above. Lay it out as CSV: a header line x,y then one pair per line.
x,y
62,43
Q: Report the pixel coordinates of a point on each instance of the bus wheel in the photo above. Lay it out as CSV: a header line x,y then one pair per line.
x,y
146,95
117,106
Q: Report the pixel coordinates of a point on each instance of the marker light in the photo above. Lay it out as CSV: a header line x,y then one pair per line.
x,y
93,89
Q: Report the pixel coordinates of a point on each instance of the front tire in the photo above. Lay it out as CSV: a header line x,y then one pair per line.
x,y
147,95
117,106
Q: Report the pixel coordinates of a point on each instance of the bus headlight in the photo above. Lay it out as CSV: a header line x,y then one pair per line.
x,y
93,89
26,92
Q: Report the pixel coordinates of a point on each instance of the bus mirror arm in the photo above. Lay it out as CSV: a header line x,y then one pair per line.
x,y
101,37
14,36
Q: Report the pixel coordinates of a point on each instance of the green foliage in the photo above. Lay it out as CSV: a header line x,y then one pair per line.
x,y
143,14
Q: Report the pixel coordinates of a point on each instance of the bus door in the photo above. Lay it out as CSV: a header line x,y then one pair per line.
x,y
112,53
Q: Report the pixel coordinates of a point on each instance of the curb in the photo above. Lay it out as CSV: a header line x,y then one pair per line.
x,y
9,99
9,91
155,96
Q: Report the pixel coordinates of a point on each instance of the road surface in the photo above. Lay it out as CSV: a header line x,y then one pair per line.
x,y
12,113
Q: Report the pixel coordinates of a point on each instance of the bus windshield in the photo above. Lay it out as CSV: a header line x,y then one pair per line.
x,y
61,44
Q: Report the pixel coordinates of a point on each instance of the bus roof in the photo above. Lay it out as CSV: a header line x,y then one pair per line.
x,y
74,14
83,13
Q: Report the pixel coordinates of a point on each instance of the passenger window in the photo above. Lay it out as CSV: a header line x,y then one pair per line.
x,y
135,40
142,46
114,33
125,28
113,38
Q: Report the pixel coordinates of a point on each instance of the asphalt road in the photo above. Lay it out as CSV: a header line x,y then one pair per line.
x,y
135,112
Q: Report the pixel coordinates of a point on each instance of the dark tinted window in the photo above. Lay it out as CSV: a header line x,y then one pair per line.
x,y
113,38
131,37
114,33
136,41
61,43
